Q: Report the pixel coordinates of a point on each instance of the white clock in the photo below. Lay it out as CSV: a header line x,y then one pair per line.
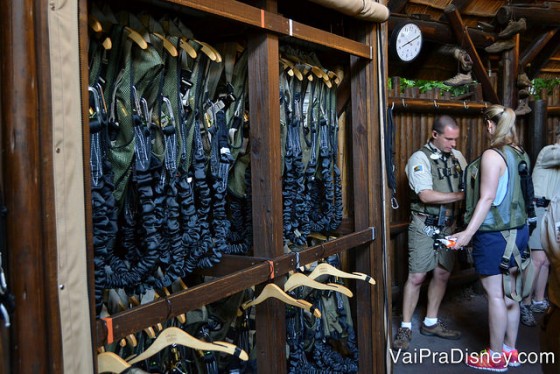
x,y
406,42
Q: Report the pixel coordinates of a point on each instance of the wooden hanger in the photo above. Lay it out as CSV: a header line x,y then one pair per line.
x,y
154,28
290,65
185,45
177,28
94,23
272,290
136,37
148,330
175,336
299,279
109,362
327,269
210,51
118,299
181,318
169,47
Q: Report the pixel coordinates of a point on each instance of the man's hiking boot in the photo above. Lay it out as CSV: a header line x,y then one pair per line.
x,y
523,81
464,59
500,46
459,80
403,338
440,330
522,109
523,93
513,28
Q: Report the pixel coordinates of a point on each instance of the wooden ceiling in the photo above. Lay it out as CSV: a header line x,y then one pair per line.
x,y
538,45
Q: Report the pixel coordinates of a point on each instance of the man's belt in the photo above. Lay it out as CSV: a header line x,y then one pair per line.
x,y
433,220
541,202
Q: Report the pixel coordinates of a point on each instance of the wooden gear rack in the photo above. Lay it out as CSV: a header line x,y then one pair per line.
x,y
236,273
29,195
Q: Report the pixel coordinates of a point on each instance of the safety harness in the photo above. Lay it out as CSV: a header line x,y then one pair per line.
x,y
508,216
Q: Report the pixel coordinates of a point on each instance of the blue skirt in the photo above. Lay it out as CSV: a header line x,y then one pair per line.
x,y
489,247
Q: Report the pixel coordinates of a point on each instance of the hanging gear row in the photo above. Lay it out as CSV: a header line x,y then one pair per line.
x,y
312,188
167,123
201,341
219,337
327,344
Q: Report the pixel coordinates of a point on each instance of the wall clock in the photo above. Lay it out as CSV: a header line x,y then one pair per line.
x,y
406,42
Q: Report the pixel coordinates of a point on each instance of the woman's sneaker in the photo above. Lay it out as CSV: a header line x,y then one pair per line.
x,y
540,306
512,358
485,361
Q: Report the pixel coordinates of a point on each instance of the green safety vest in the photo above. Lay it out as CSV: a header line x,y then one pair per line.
x,y
446,177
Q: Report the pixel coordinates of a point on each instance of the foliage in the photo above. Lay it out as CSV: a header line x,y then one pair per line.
x,y
540,84
427,85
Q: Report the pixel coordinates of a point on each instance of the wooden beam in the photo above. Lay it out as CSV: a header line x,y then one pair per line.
x,y
459,4
440,32
397,6
510,63
267,20
535,48
458,28
545,15
436,106
547,52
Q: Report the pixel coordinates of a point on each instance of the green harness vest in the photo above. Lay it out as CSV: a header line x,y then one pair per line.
x,y
447,175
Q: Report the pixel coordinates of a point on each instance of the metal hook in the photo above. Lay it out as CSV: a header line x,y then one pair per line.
x,y
393,105
403,103
436,104
465,105
394,203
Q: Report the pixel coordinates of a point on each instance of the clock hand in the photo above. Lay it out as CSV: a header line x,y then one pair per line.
x,y
410,41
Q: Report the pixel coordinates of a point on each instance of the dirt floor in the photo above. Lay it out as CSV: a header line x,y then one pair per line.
x,y
465,309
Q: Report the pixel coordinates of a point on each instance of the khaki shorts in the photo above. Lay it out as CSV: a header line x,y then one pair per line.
x,y
422,257
535,239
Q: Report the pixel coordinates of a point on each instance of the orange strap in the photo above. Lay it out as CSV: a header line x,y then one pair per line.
x,y
109,325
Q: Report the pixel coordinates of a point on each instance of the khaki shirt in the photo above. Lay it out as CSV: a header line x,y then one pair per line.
x,y
418,169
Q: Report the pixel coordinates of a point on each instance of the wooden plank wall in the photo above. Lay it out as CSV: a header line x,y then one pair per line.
x,y
412,129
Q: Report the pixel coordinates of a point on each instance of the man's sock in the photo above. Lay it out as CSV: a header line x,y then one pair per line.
x,y
407,325
430,321
507,348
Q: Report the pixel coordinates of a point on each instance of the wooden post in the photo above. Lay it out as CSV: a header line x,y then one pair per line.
x,y
264,96
28,187
536,131
371,302
510,62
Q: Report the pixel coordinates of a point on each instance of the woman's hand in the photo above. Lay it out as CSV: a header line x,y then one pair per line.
x,y
461,239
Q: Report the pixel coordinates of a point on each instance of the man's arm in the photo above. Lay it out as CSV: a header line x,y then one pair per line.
x,y
436,197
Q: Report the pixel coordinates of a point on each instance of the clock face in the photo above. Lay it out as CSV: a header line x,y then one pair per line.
x,y
408,42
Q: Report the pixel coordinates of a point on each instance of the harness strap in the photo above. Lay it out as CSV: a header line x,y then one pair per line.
x,y
523,284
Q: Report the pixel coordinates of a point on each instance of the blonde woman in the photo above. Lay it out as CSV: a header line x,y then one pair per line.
x,y
499,190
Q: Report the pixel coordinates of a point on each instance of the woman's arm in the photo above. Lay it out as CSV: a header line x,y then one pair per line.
x,y
492,166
